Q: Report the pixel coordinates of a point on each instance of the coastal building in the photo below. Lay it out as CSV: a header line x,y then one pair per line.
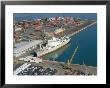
x,y
23,47
60,30
52,18
18,29
37,27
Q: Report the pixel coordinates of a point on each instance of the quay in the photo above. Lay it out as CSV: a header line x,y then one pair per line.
x,y
23,47
59,68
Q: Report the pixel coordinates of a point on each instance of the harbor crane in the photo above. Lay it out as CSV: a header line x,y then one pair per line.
x,y
70,60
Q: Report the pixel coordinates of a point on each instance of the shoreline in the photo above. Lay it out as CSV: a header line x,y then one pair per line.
x,y
71,63
60,67
70,35
82,29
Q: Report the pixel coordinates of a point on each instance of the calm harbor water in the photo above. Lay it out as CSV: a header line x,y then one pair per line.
x,y
86,40
87,51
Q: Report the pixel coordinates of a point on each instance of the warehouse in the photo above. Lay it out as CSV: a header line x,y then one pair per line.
x,y
23,47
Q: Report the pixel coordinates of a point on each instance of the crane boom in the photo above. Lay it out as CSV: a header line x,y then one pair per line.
x,y
70,60
73,54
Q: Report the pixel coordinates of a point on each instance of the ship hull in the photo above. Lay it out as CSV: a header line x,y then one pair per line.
x,y
47,51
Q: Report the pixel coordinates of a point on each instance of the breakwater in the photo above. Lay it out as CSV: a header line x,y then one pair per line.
x,y
82,29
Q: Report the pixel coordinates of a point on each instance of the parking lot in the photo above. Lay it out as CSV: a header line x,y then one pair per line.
x,y
38,70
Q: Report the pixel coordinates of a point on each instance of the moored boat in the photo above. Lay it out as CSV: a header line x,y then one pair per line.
x,y
52,45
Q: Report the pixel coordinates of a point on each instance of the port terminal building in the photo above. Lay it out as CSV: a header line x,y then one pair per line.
x,y
23,47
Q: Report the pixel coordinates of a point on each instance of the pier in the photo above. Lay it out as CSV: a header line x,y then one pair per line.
x,y
82,29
